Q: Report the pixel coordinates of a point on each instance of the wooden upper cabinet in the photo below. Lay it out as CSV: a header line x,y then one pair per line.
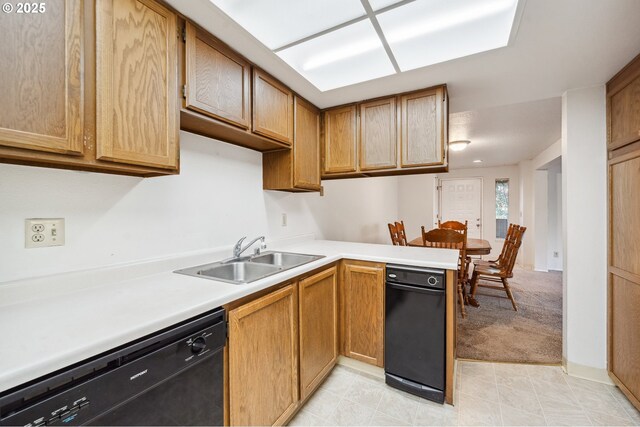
x,y
306,146
423,128
363,311
42,79
623,106
340,140
297,169
318,296
217,79
378,134
272,108
136,89
263,359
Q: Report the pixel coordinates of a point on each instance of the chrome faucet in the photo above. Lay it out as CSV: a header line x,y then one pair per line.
x,y
238,249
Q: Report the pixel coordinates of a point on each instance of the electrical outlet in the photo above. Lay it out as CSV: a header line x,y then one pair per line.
x,y
284,219
43,232
555,254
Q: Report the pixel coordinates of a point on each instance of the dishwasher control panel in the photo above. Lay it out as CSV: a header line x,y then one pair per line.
x,y
416,276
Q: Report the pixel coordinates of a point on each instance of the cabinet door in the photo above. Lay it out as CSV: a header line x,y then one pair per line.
x,y
272,108
378,135
363,295
318,328
340,140
306,146
263,359
42,79
422,128
624,273
217,79
137,104
624,113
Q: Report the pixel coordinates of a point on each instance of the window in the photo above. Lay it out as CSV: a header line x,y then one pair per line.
x,y
502,208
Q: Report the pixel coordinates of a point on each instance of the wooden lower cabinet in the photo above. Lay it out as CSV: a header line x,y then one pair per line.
x,y
362,311
263,359
318,308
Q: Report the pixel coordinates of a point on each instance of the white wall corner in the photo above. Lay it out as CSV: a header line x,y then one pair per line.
x,y
584,200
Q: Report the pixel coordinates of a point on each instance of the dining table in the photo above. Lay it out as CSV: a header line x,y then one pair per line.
x,y
475,247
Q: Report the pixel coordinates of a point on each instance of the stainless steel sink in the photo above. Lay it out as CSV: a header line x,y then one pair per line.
x,y
249,269
239,272
284,259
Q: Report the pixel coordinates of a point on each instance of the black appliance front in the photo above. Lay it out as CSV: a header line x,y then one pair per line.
x,y
415,331
173,377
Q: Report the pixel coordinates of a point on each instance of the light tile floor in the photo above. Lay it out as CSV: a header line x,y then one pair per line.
x,y
486,394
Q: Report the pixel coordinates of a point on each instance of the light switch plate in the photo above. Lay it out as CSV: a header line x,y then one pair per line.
x,y
43,232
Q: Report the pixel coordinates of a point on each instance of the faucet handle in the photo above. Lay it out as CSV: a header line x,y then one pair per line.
x,y
238,246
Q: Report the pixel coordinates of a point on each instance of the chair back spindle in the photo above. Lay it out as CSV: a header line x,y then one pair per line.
x,y
402,234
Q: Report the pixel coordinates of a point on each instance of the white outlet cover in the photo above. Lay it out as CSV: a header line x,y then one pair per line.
x,y
43,232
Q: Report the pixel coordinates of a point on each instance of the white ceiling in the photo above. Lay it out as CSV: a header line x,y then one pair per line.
x,y
506,134
559,45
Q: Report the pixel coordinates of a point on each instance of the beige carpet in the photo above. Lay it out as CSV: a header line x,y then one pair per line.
x,y
533,334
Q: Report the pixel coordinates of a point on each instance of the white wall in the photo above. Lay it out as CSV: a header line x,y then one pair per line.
x,y
110,219
554,217
417,200
357,209
535,205
540,232
584,199
216,199
527,219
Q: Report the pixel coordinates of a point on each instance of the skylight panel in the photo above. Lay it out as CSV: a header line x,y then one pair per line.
x,y
279,23
352,54
426,32
381,4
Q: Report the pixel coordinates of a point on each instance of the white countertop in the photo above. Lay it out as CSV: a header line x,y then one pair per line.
x,y
50,323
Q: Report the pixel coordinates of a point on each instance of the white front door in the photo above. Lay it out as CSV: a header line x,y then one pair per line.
x,y
461,200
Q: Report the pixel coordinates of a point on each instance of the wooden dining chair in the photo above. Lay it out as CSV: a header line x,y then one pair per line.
x,y
509,238
451,239
402,234
393,232
460,228
453,225
499,273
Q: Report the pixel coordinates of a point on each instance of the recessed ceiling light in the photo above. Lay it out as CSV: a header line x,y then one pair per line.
x,y
459,145
477,161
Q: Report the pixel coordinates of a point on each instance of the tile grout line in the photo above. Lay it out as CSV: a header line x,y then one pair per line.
x,y
624,410
544,415
495,380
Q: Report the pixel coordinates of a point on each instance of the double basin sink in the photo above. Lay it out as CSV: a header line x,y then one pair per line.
x,y
249,269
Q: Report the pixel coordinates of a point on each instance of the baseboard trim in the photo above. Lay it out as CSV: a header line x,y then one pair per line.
x,y
361,366
586,372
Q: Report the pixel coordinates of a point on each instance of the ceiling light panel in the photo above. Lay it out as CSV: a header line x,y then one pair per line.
x,y
281,22
426,32
349,55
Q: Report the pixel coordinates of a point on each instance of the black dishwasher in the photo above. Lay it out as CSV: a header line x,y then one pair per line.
x,y
172,377
414,337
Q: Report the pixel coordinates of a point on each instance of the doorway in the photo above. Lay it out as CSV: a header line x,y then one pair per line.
x,y
461,200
